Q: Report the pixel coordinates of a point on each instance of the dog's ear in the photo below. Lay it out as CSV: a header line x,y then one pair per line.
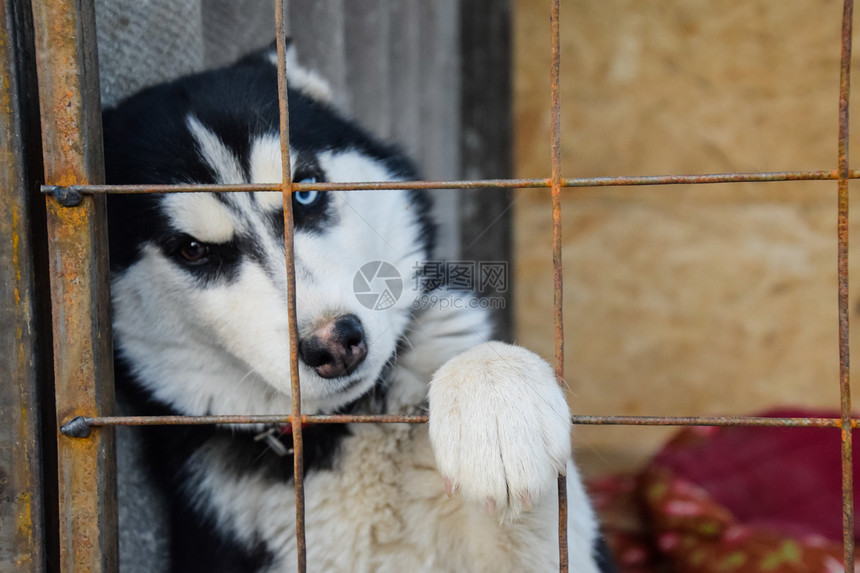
x,y
299,77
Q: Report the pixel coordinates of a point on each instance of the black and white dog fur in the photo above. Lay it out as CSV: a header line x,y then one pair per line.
x,y
200,327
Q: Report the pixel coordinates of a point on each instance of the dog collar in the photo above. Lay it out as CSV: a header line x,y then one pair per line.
x,y
288,428
272,437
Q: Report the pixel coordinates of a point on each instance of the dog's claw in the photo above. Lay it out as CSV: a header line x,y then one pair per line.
x,y
449,487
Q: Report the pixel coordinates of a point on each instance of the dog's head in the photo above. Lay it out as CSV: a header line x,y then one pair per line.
x,y
199,279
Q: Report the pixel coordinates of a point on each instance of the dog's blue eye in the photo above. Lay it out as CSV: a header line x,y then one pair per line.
x,y
307,197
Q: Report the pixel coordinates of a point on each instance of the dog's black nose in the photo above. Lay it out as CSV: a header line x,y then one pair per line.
x,y
336,348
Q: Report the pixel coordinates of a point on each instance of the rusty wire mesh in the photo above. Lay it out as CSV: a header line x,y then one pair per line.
x,y
59,27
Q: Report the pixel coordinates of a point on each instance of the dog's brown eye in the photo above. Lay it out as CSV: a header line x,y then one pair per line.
x,y
194,251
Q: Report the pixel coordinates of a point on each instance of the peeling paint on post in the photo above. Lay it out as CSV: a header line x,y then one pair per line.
x,y
77,240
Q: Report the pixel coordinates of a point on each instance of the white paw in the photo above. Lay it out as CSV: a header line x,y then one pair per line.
x,y
500,427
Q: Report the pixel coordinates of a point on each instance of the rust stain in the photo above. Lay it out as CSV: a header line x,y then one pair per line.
x,y
25,523
24,498
6,96
16,257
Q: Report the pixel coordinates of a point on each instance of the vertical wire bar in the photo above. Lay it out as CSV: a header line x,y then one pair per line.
x,y
77,241
558,290
842,263
287,191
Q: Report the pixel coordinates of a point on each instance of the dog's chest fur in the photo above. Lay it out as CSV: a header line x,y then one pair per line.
x,y
383,507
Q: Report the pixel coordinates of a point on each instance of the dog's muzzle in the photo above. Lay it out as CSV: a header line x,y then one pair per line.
x,y
336,348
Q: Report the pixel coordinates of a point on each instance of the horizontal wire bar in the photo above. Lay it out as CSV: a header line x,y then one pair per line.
x,y
623,181
419,419
264,419
755,421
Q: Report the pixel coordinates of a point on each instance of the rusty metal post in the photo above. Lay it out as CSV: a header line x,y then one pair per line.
x,y
77,241
23,345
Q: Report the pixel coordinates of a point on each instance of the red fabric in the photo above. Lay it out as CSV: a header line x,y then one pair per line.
x,y
698,535
736,499
625,524
785,479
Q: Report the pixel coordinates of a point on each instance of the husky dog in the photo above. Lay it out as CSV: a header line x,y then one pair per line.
x,y
200,327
